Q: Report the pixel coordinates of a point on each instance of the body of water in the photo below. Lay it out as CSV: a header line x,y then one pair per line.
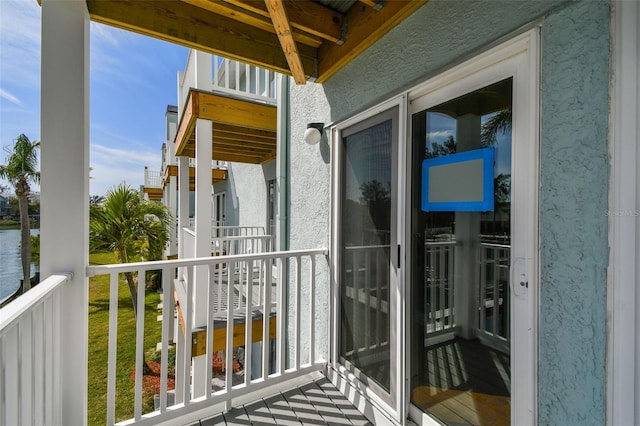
x,y
10,263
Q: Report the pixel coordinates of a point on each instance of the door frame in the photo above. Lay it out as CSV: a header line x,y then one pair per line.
x,y
517,58
379,409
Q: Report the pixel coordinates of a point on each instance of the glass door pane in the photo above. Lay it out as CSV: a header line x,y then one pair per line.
x,y
459,282
367,223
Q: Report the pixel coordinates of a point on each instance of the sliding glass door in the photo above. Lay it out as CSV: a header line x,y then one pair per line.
x,y
367,343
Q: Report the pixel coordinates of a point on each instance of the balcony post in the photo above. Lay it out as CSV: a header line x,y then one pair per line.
x,y
65,192
203,216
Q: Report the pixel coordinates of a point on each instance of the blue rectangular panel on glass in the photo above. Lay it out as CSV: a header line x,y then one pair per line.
x,y
460,182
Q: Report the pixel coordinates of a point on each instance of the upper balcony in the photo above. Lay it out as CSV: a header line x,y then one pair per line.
x,y
153,184
240,102
218,173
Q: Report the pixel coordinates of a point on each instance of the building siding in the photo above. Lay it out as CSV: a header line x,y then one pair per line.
x,y
573,220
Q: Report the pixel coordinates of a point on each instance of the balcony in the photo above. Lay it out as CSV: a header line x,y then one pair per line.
x,y
271,291
153,184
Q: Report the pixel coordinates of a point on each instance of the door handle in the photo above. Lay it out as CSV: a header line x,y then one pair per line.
x,y
518,280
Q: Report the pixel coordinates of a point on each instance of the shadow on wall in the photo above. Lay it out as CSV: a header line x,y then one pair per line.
x,y
232,207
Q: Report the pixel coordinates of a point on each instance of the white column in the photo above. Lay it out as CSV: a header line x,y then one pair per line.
x,y
183,201
65,190
203,218
172,203
467,238
183,222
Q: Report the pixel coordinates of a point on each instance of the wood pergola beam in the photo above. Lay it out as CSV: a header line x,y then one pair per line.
x,y
242,149
247,16
183,23
283,31
304,15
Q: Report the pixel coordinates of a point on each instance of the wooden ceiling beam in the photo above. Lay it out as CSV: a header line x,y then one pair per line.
x,y
365,27
235,112
226,138
183,23
246,16
223,156
257,134
304,15
372,3
241,148
283,31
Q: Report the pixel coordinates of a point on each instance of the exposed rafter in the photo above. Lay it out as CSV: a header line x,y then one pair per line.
x,y
283,31
303,38
304,15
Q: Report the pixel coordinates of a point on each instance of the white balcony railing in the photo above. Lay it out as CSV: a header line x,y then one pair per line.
x,y
440,286
30,350
274,303
152,178
218,231
241,244
215,164
493,292
231,78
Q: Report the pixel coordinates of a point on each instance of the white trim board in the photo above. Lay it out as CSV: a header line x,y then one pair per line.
x,y
623,304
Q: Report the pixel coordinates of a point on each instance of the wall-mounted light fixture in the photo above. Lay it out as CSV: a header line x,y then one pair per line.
x,y
313,134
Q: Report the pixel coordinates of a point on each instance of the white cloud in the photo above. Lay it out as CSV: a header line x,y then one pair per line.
x,y
8,96
441,134
20,43
111,166
103,34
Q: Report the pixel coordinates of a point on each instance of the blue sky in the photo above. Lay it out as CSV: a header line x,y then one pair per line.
x,y
133,79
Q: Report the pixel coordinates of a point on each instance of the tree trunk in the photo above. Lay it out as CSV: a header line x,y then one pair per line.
x,y
25,246
134,298
133,290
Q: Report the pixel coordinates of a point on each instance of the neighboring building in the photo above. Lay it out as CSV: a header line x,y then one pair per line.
x,y
497,285
5,208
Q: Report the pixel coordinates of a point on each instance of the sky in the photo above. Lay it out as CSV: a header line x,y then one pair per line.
x,y
132,80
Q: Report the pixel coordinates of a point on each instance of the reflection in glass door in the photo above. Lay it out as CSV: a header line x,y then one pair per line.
x,y
367,273
460,296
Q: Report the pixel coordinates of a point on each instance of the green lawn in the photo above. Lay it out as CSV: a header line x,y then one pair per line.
x,y
98,344
9,224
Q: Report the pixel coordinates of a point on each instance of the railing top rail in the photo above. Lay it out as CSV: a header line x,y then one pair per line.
x,y
23,304
493,245
242,237
440,243
189,231
377,246
238,227
160,264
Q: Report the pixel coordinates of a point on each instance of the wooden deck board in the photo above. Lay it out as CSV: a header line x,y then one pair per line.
x,y
316,402
465,383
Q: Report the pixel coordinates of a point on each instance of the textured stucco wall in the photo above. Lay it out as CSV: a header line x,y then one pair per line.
x,y
573,222
574,171
309,197
246,190
435,37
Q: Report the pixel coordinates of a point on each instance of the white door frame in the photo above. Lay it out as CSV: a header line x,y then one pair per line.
x,y
380,410
623,338
517,58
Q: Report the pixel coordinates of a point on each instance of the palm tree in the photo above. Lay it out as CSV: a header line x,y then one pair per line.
x,y
22,168
133,228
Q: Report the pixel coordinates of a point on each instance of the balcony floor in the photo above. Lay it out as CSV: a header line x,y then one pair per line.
x,y
317,402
